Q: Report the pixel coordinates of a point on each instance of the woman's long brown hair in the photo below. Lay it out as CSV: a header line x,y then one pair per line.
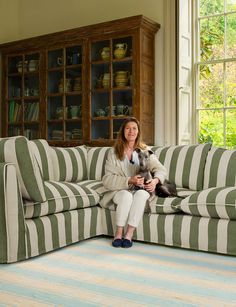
x,y
121,141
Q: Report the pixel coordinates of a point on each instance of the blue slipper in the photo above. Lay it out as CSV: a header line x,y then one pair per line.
x,y
117,243
127,243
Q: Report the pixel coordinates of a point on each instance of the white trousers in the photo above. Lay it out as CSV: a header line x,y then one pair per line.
x,y
130,207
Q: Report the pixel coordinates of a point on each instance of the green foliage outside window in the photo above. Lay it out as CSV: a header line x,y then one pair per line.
x,y
217,77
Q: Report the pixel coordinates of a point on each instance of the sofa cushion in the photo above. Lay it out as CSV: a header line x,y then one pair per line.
x,y
184,164
169,204
213,202
41,151
18,151
95,185
96,162
69,164
62,196
220,169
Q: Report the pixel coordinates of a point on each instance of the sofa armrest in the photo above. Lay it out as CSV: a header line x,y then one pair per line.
x,y
12,222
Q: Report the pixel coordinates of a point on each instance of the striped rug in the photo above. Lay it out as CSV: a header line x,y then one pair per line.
x,y
93,273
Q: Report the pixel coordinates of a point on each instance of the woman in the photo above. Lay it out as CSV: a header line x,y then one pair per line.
x,y
121,177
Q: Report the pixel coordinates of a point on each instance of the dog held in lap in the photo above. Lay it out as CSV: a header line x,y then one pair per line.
x,y
167,189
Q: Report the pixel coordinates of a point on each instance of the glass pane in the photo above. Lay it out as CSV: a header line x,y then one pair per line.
x,y
31,132
55,107
55,82
100,129
14,130
212,38
15,65
100,51
122,102
230,84
55,131
230,5
55,58
14,111
73,131
210,7
100,104
231,36
231,129
74,106
211,127
31,110
211,86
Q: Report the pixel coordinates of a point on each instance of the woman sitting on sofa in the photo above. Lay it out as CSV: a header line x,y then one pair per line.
x,y
120,177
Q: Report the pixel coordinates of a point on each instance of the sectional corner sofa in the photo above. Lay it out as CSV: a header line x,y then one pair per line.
x,y
49,198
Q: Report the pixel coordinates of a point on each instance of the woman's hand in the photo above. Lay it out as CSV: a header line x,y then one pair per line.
x,y
137,180
151,185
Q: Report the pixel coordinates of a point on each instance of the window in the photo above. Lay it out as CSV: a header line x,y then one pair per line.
x,y
216,72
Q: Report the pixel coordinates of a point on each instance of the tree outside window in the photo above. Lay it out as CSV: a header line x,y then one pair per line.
x,y
216,68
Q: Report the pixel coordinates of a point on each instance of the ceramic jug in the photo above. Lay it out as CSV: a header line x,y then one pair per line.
x,y
106,80
105,53
33,65
121,78
120,50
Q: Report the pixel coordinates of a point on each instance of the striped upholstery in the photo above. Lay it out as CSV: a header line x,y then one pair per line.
x,y
212,202
184,164
12,222
170,204
48,233
62,196
220,170
16,150
95,185
41,151
96,162
69,164
179,230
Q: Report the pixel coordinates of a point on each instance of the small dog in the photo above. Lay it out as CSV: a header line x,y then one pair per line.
x,y
166,189
143,156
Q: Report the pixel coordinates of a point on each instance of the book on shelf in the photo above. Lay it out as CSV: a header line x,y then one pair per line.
x,y
31,111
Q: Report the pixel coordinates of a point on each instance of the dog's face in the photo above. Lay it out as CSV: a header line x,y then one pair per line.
x,y
143,156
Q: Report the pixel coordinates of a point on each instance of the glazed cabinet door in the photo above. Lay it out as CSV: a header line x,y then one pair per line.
x,y
111,91
23,88
64,94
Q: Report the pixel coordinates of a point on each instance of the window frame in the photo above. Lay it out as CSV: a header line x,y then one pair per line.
x,y
196,64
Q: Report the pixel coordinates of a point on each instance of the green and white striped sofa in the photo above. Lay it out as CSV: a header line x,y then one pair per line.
x,y
50,198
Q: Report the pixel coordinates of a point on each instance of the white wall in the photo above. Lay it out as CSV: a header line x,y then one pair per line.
x,y
27,18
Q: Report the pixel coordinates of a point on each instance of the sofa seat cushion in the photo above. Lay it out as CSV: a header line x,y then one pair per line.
x,y
62,196
95,185
213,202
162,205
169,204
185,164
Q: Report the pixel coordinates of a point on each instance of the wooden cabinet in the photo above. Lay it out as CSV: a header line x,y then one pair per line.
x,y
77,86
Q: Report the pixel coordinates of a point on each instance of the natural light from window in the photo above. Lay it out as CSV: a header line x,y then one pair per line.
x,y
216,72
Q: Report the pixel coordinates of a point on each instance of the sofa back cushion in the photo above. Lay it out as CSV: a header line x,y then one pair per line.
x,y
220,170
96,162
41,151
185,164
18,151
69,164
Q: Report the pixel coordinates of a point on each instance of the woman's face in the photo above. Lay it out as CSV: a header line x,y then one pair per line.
x,y
131,131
